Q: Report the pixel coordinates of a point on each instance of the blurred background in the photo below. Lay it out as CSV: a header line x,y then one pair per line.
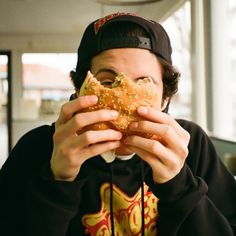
x,y
39,41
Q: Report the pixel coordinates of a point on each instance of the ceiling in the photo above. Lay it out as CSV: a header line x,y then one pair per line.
x,y
63,16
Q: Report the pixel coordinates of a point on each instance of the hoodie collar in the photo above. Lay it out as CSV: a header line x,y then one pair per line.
x,y
110,156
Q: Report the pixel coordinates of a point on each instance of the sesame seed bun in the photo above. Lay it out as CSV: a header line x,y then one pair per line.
x,y
125,96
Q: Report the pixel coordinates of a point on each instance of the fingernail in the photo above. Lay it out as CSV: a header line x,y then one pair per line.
x,y
118,134
93,98
114,113
143,110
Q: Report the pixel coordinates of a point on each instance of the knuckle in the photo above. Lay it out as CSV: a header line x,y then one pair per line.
x,y
168,118
112,145
154,147
172,163
186,136
176,165
56,137
92,151
167,131
78,120
64,109
184,151
86,136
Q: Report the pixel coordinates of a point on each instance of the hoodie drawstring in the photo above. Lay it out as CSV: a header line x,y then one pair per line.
x,y
111,201
142,197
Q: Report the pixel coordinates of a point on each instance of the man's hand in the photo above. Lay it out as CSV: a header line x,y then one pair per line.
x,y
167,150
71,147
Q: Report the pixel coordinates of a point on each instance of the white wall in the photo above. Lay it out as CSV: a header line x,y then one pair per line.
x,y
19,44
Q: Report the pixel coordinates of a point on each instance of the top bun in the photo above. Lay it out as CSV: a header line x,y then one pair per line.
x,y
124,96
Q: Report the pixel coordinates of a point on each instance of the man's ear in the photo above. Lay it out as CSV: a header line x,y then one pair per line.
x,y
74,95
165,104
77,92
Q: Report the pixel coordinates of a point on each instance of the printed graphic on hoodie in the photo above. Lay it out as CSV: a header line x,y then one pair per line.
x,y
126,212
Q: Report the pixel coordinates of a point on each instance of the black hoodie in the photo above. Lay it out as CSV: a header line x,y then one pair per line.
x,y
199,201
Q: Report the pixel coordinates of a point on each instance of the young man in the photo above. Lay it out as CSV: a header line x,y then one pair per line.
x,y
55,181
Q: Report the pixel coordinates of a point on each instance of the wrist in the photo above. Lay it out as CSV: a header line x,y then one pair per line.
x,y
176,187
68,176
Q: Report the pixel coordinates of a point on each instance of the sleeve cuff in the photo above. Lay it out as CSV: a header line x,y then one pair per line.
x,y
62,189
177,187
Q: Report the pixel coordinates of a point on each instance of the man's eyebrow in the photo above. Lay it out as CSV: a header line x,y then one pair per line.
x,y
108,70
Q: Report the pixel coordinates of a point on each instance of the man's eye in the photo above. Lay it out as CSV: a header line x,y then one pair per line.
x,y
107,83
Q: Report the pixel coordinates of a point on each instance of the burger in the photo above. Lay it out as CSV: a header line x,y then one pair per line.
x,y
124,96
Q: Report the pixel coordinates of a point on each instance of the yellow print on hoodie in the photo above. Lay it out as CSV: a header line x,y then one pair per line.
x,y
126,214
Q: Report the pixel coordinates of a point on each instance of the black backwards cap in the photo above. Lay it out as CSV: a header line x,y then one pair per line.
x,y
91,44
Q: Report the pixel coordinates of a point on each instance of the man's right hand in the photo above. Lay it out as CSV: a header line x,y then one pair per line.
x,y
73,147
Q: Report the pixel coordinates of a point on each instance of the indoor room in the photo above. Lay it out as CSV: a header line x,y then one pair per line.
x,y
39,43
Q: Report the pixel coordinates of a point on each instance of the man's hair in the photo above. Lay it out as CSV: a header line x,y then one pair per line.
x,y
170,75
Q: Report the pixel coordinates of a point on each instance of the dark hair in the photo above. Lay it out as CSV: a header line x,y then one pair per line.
x,y
120,29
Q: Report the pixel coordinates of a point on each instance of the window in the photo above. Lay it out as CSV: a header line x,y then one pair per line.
x,y
178,27
223,56
46,83
3,108
220,84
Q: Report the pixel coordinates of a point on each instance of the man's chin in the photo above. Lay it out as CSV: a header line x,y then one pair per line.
x,y
123,150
